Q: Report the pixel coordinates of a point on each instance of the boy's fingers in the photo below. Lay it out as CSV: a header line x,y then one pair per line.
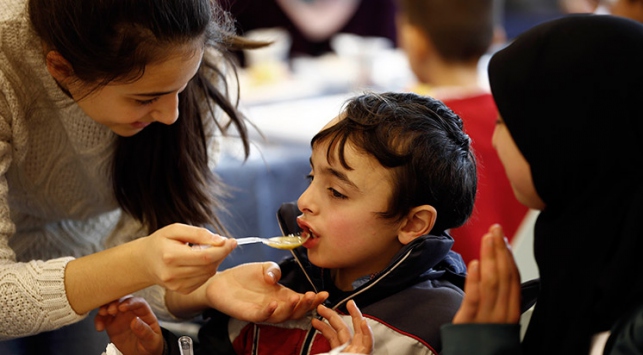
x,y
102,310
356,315
333,331
141,329
353,310
362,342
148,340
327,331
99,323
337,323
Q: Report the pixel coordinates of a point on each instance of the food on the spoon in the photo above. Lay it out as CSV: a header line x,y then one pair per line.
x,y
286,242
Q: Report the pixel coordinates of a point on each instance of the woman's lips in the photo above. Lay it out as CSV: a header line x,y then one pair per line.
x,y
140,125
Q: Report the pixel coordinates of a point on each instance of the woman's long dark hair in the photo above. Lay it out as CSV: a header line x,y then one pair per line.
x,y
160,175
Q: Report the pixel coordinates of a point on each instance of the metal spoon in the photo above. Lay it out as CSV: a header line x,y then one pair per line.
x,y
284,242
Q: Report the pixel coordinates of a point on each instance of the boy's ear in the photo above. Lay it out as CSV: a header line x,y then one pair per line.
x,y
58,67
418,222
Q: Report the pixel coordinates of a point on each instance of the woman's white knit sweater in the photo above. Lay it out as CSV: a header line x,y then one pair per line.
x,y
56,199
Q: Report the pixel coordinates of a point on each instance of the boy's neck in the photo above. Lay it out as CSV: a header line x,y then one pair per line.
x,y
343,280
344,277
448,80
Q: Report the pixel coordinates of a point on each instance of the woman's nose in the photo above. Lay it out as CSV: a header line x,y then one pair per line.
x,y
166,110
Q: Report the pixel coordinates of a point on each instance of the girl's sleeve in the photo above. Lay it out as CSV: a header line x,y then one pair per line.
x,y
480,339
32,294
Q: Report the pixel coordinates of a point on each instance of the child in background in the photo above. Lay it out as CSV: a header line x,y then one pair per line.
x,y
389,176
444,41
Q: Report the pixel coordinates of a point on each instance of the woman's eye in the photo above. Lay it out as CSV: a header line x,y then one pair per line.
x,y
147,102
336,193
310,178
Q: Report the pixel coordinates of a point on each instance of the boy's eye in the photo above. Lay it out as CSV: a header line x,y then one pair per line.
x,y
147,102
336,193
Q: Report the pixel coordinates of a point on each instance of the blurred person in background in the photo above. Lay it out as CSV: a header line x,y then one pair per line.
x,y
444,41
632,9
312,23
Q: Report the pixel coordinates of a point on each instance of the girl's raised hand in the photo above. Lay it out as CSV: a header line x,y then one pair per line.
x,y
181,257
131,326
492,287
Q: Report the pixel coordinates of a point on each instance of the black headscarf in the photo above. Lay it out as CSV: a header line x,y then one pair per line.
x,y
571,94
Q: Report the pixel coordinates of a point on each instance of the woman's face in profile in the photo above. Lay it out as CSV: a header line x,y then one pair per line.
x,y
516,167
127,108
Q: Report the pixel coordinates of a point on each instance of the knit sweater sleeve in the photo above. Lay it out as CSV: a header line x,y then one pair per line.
x,y
32,294
32,297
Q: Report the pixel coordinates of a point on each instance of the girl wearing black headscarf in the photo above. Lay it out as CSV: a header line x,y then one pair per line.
x,y
570,93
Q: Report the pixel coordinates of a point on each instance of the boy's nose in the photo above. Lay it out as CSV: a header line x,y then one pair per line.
x,y
304,203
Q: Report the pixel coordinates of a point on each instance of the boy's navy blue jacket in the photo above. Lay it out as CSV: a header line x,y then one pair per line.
x,y
405,304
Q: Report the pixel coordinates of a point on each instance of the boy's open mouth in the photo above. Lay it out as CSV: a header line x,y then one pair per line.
x,y
307,233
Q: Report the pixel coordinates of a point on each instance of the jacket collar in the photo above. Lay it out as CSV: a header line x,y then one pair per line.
x,y
428,257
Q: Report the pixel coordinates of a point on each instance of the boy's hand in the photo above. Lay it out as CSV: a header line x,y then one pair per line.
x,y
251,292
131,326
338,333
492,287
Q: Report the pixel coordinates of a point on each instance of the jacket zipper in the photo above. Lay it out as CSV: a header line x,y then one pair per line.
x,y
305,348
